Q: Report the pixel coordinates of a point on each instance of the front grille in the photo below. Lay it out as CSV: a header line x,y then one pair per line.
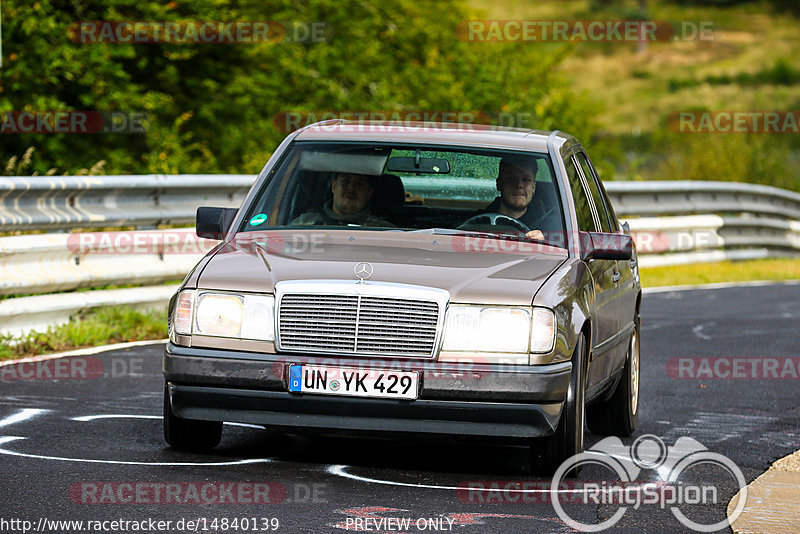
x,y
354,324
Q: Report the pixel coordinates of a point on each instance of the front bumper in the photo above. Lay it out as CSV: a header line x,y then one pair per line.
x,y
476,399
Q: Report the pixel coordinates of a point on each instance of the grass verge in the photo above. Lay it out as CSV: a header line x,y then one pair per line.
x,y
752,43
96,327
719,272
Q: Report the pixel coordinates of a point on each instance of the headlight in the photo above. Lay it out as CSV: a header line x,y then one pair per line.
x,y
236,316
259,318
219,315
487,329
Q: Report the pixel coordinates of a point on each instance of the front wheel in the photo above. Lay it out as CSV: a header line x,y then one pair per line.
x,y
567,441
189,434
619,415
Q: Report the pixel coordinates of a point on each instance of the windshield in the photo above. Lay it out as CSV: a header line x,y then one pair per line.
x,y
505,194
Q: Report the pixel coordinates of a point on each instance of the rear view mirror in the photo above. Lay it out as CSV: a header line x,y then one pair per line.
x,y
214,223
418,165
601,246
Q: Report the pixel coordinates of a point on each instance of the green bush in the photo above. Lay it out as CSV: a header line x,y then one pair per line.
x,y
769,159
781,73
211,108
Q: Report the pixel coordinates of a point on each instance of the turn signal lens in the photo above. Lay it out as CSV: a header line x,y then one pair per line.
x,y
183,312
543,331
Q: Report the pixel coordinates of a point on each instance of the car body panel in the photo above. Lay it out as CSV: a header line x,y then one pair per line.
x,y
485,275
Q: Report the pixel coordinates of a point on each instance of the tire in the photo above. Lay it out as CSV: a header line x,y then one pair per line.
x,y
189,434
567,441
619,415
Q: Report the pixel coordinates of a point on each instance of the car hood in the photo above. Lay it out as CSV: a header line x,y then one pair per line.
x,y
472,269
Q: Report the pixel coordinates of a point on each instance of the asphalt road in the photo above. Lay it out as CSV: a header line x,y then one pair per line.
x,y
91,449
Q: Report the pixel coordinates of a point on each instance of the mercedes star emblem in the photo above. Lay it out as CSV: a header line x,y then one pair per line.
x,y
363,270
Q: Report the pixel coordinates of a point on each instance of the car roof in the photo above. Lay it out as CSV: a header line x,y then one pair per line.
x,y
455,134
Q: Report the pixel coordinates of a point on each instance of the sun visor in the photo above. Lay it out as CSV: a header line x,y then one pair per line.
x,y
369,161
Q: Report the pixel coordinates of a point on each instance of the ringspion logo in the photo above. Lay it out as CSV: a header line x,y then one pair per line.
x,y
650,453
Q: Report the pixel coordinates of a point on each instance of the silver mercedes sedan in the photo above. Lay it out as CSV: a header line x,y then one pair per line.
x,y
426,278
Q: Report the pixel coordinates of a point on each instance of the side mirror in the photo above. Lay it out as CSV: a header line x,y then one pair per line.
x,y
601,246
214,223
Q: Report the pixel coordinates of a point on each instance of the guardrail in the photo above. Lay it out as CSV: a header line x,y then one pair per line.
x,y
44,263
740,221
672,222
60,202
52,202
676,197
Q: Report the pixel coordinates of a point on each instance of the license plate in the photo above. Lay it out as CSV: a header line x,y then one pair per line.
x,y
383,384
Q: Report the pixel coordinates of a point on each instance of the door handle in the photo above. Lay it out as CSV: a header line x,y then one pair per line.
x,y
615,277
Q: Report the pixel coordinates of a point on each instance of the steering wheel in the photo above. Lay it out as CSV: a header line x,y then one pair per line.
x,y
495,219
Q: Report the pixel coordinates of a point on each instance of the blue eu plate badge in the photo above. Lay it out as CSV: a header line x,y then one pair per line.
x,y
295,377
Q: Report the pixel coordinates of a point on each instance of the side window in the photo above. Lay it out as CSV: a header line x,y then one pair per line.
x,y
607,223
582,208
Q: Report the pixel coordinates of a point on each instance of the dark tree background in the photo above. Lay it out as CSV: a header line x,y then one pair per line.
x,y
211,107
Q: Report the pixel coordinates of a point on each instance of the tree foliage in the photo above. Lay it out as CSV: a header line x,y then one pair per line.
x,y
211,108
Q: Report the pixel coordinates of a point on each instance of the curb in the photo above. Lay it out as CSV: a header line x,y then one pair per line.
x,y
772,503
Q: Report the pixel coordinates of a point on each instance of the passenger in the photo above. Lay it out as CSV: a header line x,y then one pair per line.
x,y
349,205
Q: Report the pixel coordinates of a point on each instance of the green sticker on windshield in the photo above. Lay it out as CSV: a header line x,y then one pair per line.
x,y
258,219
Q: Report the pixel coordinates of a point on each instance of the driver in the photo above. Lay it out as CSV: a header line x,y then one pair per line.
x,y
349,205
516,184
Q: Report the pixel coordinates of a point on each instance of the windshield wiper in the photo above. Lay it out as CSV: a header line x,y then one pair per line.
x,y
471,233
435,231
